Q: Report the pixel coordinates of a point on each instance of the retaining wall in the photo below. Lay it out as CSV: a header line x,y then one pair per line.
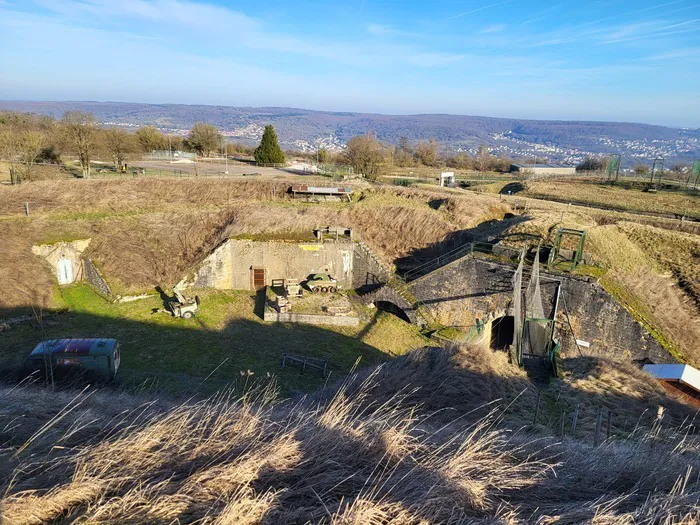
x,y
94,277
329,320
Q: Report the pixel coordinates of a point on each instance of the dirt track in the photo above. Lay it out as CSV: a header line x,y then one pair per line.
x,y
206,168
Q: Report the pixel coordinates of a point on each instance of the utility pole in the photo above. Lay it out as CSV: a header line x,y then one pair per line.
x,y
225,154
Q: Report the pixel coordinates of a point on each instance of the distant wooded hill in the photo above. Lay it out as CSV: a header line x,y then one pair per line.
x,y
298,126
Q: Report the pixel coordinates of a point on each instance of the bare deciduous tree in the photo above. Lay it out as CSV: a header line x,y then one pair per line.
x,y
119,144
640,169
80,130
366,155
29,145
150,138
403,154
204,138
427,152
8,151
483,159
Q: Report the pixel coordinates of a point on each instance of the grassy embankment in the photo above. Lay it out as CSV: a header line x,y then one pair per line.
x,y
407,444
632,199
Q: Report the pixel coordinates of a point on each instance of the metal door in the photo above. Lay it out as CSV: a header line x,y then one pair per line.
x,y
65,271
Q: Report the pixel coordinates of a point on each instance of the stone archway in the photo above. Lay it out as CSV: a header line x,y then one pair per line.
x,y
386,306
387,294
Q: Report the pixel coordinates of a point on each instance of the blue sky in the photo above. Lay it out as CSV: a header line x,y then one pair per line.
x,y
597,60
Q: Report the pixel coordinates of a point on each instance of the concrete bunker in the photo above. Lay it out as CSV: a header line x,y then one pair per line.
x,y
249,264
241,264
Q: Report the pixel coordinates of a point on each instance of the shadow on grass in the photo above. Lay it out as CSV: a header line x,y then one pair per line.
x,y
172,354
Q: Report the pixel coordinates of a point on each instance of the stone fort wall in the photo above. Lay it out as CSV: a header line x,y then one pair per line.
x,y
471,288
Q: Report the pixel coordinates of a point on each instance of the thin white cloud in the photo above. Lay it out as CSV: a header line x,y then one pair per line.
x,y
182,21
531,20
676,53
471,12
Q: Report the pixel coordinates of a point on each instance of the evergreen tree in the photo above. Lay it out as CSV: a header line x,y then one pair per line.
x,y
269,151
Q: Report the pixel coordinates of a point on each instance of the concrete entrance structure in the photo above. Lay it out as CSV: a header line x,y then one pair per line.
x,y
250,265
65,259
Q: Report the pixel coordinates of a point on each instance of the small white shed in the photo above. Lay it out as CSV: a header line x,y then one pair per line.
x,y
447,179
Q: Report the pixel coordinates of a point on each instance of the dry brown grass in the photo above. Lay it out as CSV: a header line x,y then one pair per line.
x,y
640,277
102,197
371,451
677,252
616,197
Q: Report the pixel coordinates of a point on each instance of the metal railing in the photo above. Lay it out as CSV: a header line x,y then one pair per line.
x,y
446,258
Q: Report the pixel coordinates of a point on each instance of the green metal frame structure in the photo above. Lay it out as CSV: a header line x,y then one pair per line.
x,y
556,247
614,169
695,173
657,168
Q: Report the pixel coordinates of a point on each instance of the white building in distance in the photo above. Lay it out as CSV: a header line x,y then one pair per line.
x,y
543,169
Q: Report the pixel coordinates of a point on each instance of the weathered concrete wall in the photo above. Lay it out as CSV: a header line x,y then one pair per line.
x,y
473,288
64,253
330,320
230,265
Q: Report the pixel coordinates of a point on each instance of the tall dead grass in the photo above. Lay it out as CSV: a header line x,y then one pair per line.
x,y
369,453
640,258
121,195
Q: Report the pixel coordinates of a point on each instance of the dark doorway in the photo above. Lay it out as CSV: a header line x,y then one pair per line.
x,y
502,332
257,278
386,306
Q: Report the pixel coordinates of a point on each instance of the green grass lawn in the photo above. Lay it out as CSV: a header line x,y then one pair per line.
x,y
225,339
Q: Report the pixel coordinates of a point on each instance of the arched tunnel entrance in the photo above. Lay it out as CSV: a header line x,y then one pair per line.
x,y
386,306
502,330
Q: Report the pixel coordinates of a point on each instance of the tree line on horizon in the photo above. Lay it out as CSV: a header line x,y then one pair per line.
x,y
28,139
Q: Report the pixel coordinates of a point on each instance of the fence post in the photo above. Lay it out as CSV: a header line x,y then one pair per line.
x,y
26,209
537,407
561,425
575,420
598,422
